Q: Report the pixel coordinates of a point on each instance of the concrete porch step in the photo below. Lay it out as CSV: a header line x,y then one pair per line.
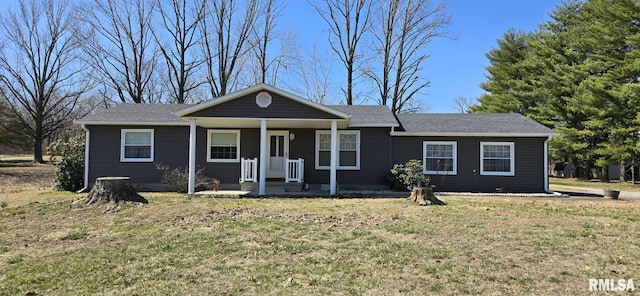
x,y
272,187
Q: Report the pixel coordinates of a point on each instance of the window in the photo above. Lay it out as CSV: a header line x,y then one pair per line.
x,y
348,150
223,146
440,158
136,145
497,158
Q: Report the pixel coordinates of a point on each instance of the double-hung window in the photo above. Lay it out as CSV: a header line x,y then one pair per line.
x,y
439,158
136,145
497,158
348,150
223,146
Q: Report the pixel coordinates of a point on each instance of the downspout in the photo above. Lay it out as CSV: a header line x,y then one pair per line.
x,y
86,158
546,166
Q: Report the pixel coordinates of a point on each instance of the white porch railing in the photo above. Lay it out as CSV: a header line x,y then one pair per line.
x,y
248,170
294,170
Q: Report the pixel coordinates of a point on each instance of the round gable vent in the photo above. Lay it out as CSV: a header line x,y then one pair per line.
x,y
263,99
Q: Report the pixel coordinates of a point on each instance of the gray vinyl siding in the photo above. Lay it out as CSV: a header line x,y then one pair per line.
x,y
529,164
374,158
246,107
378,152
171,147
227,172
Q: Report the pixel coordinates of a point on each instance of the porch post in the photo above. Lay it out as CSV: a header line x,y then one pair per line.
x,y
262,178
192,156
334,157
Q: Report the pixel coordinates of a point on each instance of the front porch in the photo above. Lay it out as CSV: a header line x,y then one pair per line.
x,y
264,153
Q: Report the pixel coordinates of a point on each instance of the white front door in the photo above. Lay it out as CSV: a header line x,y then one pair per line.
x,y
278,151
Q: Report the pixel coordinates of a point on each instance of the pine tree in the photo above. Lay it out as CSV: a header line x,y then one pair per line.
x,y
609,96
507,75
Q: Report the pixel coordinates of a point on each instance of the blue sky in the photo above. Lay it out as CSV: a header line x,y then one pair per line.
x,y
456,66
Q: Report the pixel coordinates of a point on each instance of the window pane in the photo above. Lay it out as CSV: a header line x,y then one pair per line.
x,y
497,151
224,139
439,164
137,138
325,142
137,152
281,146
272,144
324,158
439,150
348,142
497,165
347,158
223,152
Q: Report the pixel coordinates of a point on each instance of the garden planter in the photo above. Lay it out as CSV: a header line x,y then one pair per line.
x,y
611,194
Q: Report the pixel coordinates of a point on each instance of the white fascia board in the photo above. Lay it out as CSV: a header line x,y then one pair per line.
x,y
497,135
132,123
374,125
255,88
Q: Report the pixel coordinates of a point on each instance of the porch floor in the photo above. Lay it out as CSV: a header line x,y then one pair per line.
x,y
268,192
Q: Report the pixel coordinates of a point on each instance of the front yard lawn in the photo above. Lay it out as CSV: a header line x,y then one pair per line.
x,y
313,246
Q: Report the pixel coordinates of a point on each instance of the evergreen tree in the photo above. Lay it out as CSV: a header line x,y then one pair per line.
x,y
506,76
609,96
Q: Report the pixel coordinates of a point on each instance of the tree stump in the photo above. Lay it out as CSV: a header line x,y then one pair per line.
x,y
424,196
112,189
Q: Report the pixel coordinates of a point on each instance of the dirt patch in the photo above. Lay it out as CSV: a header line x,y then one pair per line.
x,y
23,182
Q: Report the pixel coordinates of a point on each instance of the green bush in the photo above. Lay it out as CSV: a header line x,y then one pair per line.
x,y
178,179
69,175
409,174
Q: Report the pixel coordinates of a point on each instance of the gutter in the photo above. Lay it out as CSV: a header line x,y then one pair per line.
x,y
546,166
86,158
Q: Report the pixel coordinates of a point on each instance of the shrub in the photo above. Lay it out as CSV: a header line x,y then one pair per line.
x,y
178,179
410,174
69,175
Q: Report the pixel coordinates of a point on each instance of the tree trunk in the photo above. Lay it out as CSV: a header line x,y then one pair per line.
x,y
112,189
604,174
623,171
37,146
424,196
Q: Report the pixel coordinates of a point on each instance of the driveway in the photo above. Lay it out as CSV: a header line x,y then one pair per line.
x,y
584,193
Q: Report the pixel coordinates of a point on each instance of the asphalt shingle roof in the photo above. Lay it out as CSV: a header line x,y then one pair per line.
x,y
143,113
501,123
370,115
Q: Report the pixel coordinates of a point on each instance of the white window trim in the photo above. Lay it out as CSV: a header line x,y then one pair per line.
x,y
512,164
339,167
122,140
454,170
212,131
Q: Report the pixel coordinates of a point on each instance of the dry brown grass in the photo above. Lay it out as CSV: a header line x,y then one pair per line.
x,y
23,182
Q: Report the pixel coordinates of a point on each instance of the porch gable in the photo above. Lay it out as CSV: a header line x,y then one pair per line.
x,y
261,101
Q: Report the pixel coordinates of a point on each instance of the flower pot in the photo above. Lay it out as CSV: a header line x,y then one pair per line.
x,y
610,194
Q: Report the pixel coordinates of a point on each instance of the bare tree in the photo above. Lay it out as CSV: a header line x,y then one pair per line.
x,y
226,32
181,23
41,75
402,31
462,104
312,72
264,33
120,46
348,21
